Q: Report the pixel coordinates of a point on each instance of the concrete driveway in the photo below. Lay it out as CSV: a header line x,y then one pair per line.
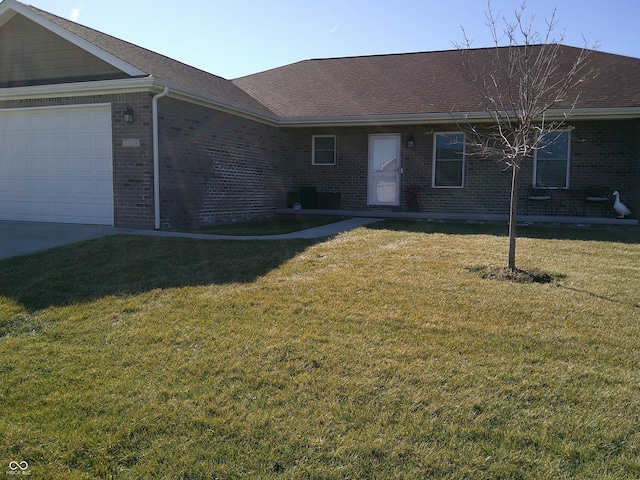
x,y
19,238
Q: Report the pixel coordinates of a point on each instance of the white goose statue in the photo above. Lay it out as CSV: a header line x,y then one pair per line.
x,y
620,207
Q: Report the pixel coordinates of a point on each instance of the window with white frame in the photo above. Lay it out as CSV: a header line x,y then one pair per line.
x,y
324,150
448,160
551,161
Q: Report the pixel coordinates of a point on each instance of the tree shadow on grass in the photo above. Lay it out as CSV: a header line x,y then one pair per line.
x,y
127,264
618,234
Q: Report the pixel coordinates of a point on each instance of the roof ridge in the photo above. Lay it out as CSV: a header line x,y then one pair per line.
x,y
425,52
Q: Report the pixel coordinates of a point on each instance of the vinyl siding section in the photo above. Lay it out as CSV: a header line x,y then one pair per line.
x,y
31,55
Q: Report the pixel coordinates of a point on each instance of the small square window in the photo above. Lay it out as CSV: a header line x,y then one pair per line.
x,y
324,150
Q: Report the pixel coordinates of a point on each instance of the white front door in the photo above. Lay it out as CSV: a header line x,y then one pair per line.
x,y
384,170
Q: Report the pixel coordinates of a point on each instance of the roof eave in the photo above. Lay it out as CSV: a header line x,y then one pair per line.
x,y
613,113
153,84
194,96
101,87
135,85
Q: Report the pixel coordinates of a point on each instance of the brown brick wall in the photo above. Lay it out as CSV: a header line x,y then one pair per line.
x,y
485,191
606,153
216,167
133,166
603,153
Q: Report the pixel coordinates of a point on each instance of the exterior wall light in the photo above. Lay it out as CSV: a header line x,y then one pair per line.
x,y
128,115
410,141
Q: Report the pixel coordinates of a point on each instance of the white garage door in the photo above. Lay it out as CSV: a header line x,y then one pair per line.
x,y
56,164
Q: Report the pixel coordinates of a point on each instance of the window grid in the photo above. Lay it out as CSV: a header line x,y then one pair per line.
x,y
324,150
448,160
551,163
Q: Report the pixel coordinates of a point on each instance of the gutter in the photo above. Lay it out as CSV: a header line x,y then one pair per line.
x,y
145,84
156,158
79,89
612,113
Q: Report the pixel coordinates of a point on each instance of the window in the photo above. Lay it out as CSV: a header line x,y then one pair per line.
x,y
448,160
324,150
551,165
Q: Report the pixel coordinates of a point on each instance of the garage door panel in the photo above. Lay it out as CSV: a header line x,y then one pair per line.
x,y
40,187
40,143
14,124
102,144
82,144
58,146
86,187
82,167
40,122
21,185
5,186
61,185
56,164
22,208
101,191
39,166
18,148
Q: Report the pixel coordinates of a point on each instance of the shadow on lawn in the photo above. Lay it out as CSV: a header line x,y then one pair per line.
x,y
123,264
604,234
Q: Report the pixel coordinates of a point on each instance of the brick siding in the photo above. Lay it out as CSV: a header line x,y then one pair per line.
x,y
216,167
602,153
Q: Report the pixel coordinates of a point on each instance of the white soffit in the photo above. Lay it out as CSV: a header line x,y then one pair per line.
x,y
8,8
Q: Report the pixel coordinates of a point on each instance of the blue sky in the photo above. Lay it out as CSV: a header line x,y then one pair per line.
x,y
232,38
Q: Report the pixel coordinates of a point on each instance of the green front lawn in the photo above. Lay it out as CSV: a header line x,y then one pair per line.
x,y
377,353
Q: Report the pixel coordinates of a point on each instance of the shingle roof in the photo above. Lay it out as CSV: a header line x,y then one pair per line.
x,y
157,65
398,84
415,83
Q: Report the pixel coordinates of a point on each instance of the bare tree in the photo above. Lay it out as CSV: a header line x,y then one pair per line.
x,y
527,90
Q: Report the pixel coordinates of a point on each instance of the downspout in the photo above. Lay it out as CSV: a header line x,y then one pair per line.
x,y
156,158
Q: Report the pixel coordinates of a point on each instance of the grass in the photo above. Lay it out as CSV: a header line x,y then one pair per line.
x,y
272,226
378,353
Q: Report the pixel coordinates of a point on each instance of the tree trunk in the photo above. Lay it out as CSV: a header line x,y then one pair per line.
x,y
513,214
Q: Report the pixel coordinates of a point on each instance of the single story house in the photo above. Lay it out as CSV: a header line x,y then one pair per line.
x,y
96,130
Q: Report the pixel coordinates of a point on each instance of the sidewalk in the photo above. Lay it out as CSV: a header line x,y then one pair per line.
x,y
316,232
20,238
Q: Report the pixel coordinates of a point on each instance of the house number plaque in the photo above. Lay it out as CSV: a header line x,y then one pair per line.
x,y
130,142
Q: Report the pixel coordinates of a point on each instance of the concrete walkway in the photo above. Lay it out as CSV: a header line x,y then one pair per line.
x,y
20,238
316,232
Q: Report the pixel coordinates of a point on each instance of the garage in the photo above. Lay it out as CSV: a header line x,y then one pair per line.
x,y
56,164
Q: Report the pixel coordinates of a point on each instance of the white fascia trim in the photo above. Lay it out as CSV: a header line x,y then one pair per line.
x,y
609,113
155,85
135,85
5,15
568,115
79,42
78,89
621,113
363,120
